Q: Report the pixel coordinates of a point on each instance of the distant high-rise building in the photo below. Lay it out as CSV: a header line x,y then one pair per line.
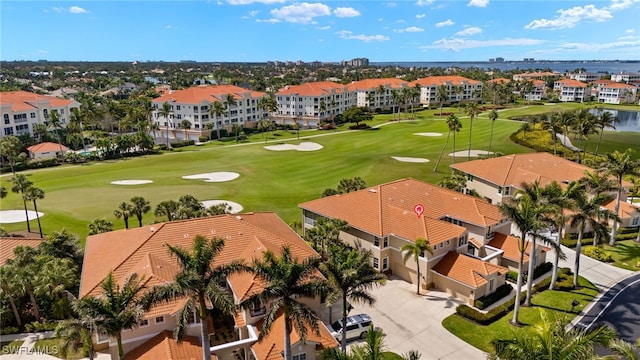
x,y
357,62
499,59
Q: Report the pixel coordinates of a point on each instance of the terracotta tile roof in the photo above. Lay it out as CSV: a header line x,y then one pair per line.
x,y
626,210
510,245
318,88
616,85
373,84
25,101
388,209
538,83
571,83
499,81
143,250
206,94
164,346
444,80
466,269
604,82
7,244
537,74
477,243
46,147
271,346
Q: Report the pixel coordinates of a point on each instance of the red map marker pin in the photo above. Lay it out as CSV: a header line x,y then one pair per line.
x,y
418,209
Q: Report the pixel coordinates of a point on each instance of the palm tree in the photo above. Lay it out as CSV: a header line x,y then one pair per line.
x,y
454,125
229,101
34,194
8,288
493,115
167,208
585,126
236,128
441,96
587,211
287,279
264,125
605,119
351,276
566,119
416,250
373,347
185,125
21,185
200,281
53,280
216,110
554,126
99,226
619,165
124,211
77,333
26,266
140,207
472,110
117,308
524,214
53,121
41,131
10,148
550,340
166,111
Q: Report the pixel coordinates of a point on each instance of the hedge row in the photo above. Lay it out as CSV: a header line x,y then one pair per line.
x,y
502,291
598,253
540,270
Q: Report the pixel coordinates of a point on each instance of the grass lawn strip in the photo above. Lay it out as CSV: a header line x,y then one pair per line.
x,y
558,303
10,347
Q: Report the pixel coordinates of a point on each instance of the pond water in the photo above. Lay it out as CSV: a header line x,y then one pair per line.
x,y
629,120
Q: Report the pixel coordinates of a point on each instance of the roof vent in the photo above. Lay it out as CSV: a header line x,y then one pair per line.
x,y
152,229
372,190
456,198
213,231
186,235
238,217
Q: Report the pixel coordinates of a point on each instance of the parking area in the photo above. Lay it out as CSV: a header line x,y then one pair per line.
x,y
413,322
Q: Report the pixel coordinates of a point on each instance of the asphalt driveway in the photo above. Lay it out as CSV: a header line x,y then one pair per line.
x,y
413,322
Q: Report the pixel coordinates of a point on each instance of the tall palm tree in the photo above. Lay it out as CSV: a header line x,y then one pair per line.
x,y
604,119
351,276
185,125
167,208
117,308
524,214
472,110
566,119
54,122
34,194
415,250
21,185
166,111
554,126
587,211
140,206
551,340
236,129
41,131
124,211
217,109
99,226
373,347
229,101
25,266
454,125
585,125
619,165
288,279
493,116
8,288
198,280
442,93
77,333
11,149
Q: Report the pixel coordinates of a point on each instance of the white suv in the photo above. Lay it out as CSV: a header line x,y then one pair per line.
x,y
357,326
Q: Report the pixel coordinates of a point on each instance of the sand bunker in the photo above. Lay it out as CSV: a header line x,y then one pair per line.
x,y
410,159
131,182
474,153
234,206
220,176
432,134
16,216
304,146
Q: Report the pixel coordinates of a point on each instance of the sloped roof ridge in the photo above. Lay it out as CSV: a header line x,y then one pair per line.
x,y
264,230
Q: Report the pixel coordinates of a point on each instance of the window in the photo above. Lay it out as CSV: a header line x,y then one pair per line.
x,y
507,190
8,131
302,356
143,323
33,115
376,241
257,308
499,189
375,263
491,285
102,337
462,240
159,319
635,221
385,242
441,245
470,177
385,263
7,121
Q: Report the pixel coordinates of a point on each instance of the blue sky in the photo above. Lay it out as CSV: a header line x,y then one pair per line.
x,y
262,30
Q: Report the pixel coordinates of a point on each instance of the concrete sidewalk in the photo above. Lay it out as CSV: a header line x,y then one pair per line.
x,y
599,273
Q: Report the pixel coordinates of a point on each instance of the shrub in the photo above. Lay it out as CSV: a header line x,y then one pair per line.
x,y
182,143
540,270
6,330
361,126
628,230
502,291
571,243
512,276
38,326
598,253
203,139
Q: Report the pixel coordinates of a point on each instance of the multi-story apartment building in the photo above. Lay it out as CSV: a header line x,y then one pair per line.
x,y
571,90
537,92
195,105
310,103
541,75
458,89
469,236
21,110
584,76
611,92
377,93
143,251
626,77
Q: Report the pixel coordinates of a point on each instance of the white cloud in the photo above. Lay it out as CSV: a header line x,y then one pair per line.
x,y
343,12
420,16
630,31
471,30
324,28
571,17
268,21
247,2
302,13
447,22
478,3
621,4
169,27
348,35
380,19
409,29
628,37
77,10
457,44
391,4
599,47
424,2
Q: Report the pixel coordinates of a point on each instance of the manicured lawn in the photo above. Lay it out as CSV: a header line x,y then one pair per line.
x,y
626,254
556,302
10,347
53,347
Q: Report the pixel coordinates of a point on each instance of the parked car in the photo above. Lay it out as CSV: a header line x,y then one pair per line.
x,y
357,326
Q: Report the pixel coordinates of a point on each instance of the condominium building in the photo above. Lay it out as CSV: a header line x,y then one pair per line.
x,y
21,110
195,105
571,90
378,93
541,75
611,92
626,77
584,76
310,103
458,89
537,92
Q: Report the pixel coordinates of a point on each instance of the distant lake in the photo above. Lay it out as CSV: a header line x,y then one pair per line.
x,y
629,120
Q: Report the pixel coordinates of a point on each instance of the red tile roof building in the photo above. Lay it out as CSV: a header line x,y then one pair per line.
x,y
379,93
310,103
46,150
571,90
458,88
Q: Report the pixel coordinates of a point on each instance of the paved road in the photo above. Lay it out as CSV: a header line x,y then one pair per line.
x,y
619,308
